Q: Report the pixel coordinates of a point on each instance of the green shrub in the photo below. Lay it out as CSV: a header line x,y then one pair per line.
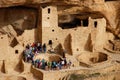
x,y
94,75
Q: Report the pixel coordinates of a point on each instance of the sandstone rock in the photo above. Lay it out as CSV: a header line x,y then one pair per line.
x,y
84,28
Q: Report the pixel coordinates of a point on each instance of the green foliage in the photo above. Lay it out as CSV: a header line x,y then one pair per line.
x,y
82,76
94,75
77,77
114,78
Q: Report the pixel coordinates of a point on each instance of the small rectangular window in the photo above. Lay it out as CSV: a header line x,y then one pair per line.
x,y
16,51
95,24
48,10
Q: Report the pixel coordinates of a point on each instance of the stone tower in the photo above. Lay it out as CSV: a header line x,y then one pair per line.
x,y
49,23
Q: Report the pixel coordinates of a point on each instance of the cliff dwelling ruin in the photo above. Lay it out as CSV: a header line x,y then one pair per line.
x,y
83,34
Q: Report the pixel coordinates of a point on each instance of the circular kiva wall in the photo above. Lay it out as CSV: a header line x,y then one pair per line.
x,y
48,57
87,59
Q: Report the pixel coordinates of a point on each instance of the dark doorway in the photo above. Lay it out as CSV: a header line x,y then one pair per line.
x,y
85,22
95,24
50,42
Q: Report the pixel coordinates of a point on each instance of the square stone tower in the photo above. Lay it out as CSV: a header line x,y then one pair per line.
x,y
49,23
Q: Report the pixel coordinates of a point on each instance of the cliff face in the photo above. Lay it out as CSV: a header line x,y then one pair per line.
x,y
5,3
66,8
110,10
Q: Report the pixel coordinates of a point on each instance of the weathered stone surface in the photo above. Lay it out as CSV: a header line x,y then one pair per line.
x,y
81,28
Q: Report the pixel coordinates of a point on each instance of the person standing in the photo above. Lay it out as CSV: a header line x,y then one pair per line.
x,y
44,48
49,65
69,64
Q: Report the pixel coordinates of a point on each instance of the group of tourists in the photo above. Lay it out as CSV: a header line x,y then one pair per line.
x,y
33,49
52,65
